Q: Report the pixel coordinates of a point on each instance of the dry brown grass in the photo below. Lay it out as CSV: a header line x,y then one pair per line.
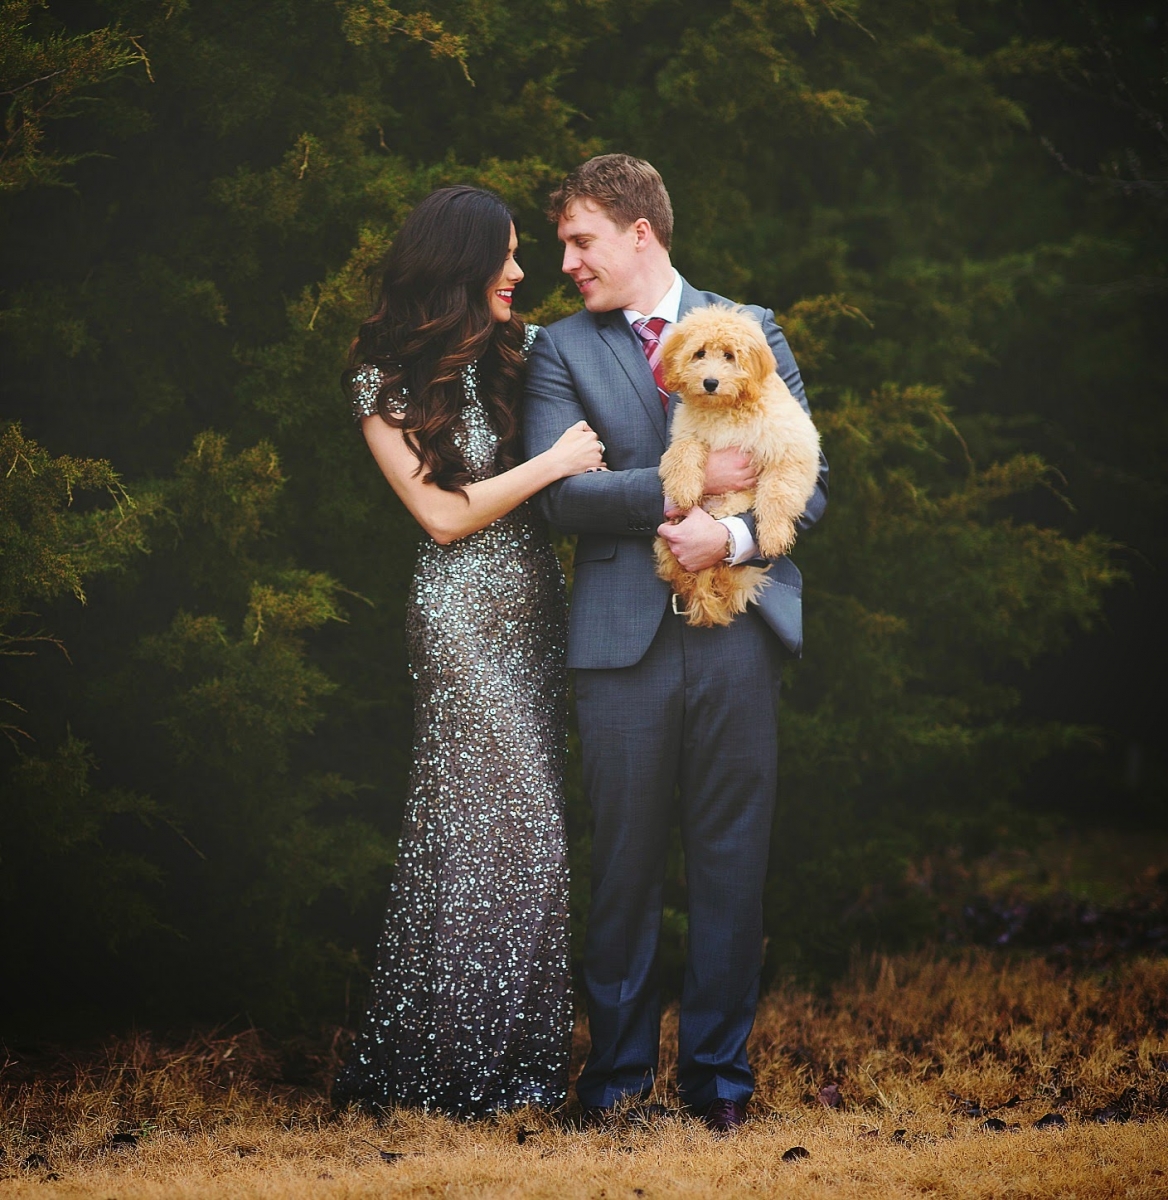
x,y
921,1053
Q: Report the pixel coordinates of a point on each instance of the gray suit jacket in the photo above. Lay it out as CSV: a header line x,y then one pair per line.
x,y
590,366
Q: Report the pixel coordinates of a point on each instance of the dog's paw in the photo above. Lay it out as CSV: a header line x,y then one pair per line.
x,y
683,472
775,536
684,495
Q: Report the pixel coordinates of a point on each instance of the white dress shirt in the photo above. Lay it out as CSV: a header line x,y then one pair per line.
x,y
742,546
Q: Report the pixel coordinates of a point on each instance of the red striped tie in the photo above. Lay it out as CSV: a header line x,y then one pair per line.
x,y
649,330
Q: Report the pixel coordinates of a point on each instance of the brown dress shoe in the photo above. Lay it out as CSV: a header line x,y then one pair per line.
x,y
724,1116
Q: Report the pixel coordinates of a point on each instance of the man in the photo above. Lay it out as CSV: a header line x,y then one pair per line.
x,y
672,718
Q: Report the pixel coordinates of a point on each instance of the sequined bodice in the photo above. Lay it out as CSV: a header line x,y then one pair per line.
x,y
477,441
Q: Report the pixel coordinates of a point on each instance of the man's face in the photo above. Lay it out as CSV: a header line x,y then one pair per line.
x,y
601,259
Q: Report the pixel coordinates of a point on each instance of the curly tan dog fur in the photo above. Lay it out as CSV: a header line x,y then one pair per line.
x,y
719,362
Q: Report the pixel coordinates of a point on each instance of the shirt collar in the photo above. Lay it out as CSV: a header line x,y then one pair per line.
x,y
668,306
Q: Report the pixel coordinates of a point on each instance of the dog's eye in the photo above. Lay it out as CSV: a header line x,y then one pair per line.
x,y
726,354
700,354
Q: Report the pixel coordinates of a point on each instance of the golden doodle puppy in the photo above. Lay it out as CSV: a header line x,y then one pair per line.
x,y
717,359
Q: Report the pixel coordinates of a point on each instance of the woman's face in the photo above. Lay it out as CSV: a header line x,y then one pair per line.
x,y
500,293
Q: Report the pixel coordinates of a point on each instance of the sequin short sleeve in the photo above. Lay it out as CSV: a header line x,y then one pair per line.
x,y
529,338
366,384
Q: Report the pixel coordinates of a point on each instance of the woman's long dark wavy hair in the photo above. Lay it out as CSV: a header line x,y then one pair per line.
x,y
433,319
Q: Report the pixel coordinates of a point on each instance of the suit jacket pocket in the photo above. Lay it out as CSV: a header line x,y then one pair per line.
x,y
592,547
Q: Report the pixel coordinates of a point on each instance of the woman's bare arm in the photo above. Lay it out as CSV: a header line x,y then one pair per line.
x,y
448,516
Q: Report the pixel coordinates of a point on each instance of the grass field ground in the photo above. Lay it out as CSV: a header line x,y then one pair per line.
x,y
968,1077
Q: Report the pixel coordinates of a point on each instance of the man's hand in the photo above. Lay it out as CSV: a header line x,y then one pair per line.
x,y
697,540
728,471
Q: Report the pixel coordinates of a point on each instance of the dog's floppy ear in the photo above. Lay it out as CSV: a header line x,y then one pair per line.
x,y
755,351
675,353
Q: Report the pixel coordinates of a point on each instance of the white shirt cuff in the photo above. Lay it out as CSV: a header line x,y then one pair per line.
x,y
743,547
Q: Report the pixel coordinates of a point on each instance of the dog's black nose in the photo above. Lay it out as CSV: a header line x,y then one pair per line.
x,y
711,385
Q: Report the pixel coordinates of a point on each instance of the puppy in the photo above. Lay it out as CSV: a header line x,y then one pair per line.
x,y
717,359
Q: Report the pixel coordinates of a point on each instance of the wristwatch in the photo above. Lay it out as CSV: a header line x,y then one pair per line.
x,y
731,546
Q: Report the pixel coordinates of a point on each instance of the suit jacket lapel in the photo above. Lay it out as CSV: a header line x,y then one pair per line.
x,y
625,344
690,298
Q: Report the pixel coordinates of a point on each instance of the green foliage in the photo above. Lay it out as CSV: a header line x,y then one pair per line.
x,y
977,319
46,78
46,547
378,23
55,821
63,862
246,694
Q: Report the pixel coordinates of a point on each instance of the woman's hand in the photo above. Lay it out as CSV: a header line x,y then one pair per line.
x,y
577,450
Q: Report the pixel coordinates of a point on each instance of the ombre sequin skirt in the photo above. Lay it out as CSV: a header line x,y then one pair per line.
x,y
470,1009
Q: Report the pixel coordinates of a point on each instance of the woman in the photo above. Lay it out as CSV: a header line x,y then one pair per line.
x,y
470,1009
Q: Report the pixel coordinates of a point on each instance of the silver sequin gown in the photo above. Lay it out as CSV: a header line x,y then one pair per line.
x,y
470,1007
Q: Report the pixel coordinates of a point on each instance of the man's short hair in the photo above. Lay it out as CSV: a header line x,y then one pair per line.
x,y
626,188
